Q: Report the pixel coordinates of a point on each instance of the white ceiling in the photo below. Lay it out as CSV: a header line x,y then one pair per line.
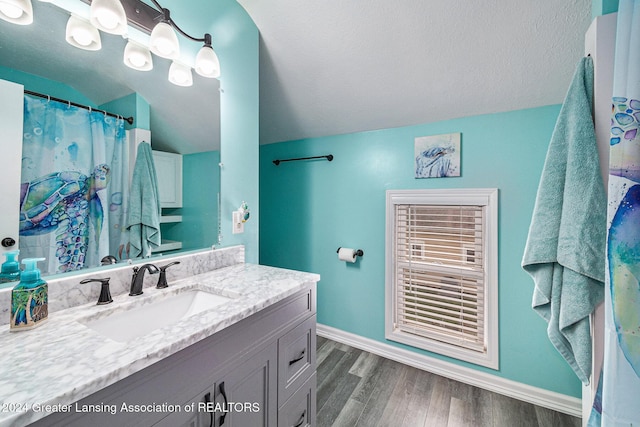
x,y
338,66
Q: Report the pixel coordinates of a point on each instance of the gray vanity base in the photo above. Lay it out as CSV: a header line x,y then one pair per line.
x,y
265,363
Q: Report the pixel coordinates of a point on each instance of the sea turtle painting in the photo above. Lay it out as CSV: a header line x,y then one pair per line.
x,y
66,203
437,156
434,162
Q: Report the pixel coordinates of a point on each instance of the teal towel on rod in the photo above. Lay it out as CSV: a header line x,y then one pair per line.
x,y
565,250
144,205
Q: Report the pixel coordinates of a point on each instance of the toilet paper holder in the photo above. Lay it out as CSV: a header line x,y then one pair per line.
x,y
358,252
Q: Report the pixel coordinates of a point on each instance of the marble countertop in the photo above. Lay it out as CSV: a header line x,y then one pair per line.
x,y
63,361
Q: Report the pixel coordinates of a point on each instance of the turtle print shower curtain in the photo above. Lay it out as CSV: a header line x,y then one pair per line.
x,y
74,185
618,400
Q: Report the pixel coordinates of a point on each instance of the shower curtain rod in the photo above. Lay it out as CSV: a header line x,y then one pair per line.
x,y
64,101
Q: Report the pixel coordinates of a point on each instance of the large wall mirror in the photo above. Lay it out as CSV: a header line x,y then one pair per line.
x,y
182,120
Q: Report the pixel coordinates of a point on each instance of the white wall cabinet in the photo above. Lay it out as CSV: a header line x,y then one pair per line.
x,y
263,367
169,172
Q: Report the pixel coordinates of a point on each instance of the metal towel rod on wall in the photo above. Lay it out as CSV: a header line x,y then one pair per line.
x,y
329,157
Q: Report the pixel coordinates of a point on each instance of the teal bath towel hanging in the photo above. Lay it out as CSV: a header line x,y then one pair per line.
x,y
565,250
144,205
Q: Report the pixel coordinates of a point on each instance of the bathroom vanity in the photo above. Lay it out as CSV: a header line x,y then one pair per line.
x,y
248,361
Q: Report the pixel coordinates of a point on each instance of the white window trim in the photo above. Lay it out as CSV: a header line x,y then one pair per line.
x,y
476,196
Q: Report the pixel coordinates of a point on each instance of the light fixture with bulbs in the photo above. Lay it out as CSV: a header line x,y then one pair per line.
x,y
82,34
164,40
180,74
207,63
137,57
113,17
109,16
164,43
16,11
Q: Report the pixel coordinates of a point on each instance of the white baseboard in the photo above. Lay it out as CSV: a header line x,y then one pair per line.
x,y
535,395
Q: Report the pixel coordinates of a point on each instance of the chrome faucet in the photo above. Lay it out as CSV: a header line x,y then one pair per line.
x,y
138,278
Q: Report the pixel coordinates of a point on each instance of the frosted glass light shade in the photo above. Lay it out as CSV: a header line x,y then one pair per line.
x,y
207,63
16,11
180,74
82,34
164,41
109,16
137,57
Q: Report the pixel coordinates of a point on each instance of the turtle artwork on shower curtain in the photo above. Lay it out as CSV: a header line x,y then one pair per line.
x,y
74,185
65,202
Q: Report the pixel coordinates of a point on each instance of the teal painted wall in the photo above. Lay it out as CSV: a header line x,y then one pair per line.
x,y
45,86
240,134
132,105
309,209
199,226
235,40
603,7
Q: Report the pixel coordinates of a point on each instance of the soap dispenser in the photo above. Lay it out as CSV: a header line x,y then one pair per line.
x,y
29,298
10,268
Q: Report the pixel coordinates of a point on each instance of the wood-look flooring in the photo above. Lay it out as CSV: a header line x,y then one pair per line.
x,y
356,388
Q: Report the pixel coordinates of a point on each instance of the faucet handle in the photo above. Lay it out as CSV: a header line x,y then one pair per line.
x,y
164,267
105,294
162,280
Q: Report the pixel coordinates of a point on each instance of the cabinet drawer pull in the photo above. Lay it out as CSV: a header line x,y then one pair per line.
x,y
299,358
226,402
207,399
301,420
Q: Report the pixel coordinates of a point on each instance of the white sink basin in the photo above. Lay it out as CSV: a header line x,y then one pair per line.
x,y
123,326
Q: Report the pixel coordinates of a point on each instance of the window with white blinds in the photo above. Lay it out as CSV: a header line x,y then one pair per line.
x,y
441,267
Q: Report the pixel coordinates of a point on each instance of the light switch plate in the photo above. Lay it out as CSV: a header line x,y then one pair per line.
x,y
238,225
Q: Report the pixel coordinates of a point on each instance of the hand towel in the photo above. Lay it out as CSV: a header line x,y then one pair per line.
x,y
144,205
565,249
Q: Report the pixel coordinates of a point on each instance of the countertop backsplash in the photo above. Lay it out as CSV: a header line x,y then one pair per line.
x,y
66,291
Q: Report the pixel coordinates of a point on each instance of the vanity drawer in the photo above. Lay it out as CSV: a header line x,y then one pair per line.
x,y
296,358
300,409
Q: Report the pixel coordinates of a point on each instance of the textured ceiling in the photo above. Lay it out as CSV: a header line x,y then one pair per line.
x,y
338,66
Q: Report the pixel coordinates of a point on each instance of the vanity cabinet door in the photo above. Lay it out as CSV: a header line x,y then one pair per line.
x,y
248,393
300,409
296,358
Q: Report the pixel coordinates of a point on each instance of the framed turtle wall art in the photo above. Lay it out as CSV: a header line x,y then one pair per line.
x,y
437,156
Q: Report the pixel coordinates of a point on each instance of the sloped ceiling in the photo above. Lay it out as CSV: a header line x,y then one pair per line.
x,y
339,66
